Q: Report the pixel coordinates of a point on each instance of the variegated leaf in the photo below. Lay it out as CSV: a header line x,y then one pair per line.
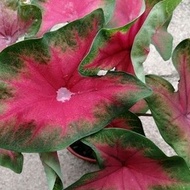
x,y
130,161
45,104
153,30
171,109
126,48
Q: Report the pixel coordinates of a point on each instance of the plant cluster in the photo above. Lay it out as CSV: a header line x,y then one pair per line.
x,y
72,71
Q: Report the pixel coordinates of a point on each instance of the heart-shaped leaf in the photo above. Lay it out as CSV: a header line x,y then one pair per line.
x,y
11,160
126,48
112,47
17,20
153,30
59,11
110,51
171,109
131,161
45,104
52,169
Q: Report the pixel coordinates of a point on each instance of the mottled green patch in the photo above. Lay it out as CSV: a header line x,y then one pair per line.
x,y
73,33
79,128
103,111
170,162
61,39
82,127
177,186
5,91
12,59
47,140
128,99
27,137
87,26
35,137
2,108
38,50
10,63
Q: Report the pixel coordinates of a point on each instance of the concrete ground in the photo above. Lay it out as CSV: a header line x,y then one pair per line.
x,y
33,177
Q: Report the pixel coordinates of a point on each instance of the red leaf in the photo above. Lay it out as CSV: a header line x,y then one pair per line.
x,y
112,48
171,109
130,161
153,30
43,97
126,48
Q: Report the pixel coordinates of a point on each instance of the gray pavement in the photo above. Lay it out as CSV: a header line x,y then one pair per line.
x,y
33,177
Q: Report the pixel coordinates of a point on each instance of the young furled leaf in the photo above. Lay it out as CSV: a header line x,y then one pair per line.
x,y
171,109
45,104
52,169
130,161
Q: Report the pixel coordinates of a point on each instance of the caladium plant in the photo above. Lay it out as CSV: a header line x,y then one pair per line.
x,y
77,75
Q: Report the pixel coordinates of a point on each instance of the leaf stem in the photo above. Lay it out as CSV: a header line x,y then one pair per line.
x,y
144,114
